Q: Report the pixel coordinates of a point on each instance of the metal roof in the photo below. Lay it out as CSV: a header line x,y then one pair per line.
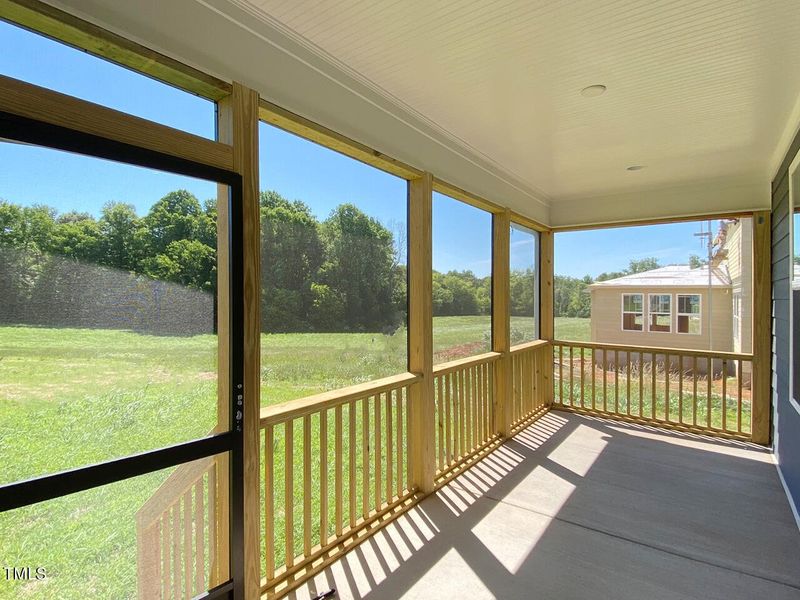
x,y
671,276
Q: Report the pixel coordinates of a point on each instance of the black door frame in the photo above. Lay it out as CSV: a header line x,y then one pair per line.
x,y
47,487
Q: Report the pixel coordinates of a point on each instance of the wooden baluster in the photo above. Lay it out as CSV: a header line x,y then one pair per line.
x,y
199,538
448,419
438,395
641,383
176,550
389,441
724,394
338,471
269,501
666,387
680,388
212,523
365,457
628,383
467,374
694,391
571,378
323,477
165,557
378,457
653,369
583,400
351,433
616,381
408,430
307,485
288,461
709,380
605,381
188,520
560,374
480,403
399,441
462,445
739,396
594,380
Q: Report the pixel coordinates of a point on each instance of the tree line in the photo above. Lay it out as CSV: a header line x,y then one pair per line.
x,y
343,273
571,294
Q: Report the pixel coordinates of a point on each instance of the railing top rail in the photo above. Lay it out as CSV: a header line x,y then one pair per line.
x,y
174,486
529,346
463,363
656,350
287,411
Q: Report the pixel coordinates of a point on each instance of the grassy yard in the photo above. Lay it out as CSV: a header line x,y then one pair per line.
x,y
71,397
573,329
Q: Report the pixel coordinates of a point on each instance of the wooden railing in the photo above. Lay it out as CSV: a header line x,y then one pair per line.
x,y
177,536
337,463
530,378
693,390
464,410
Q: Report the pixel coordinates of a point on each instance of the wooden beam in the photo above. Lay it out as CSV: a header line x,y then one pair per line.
x,y
466,197
762,328
40,104
294,123
238,126
546,322
64,27
420,332
501,323
657,221
546,316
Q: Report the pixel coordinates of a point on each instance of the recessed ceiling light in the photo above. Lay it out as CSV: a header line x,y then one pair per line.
x,y
635,168
593,91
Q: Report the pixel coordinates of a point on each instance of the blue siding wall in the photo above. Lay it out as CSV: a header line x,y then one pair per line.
x,y
787,419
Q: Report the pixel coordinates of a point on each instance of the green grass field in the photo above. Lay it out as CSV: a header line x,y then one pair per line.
x,y
572,329
72,397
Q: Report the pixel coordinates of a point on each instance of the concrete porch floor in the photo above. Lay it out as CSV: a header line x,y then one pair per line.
x,y
577,507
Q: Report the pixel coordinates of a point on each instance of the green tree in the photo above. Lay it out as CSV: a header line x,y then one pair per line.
x,y
643,264
292,254
359,267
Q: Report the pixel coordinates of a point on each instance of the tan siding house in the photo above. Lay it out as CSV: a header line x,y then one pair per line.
x,y
682,307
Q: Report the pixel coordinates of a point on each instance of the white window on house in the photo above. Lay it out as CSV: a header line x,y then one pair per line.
x,y
689,314
660,316
737,315
632,312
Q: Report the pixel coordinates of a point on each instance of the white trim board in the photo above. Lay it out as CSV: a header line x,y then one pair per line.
x,y
789,496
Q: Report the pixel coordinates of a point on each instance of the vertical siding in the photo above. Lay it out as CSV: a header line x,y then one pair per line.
x,y
787,420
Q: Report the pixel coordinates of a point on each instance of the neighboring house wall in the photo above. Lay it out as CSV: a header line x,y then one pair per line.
x,y
607,319
786,434
739,244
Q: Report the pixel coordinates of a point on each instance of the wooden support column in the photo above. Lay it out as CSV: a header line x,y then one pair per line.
x,y
238,126
420,331
546,320
762,328
501,323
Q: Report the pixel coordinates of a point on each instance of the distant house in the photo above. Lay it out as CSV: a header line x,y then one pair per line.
x,y
703,308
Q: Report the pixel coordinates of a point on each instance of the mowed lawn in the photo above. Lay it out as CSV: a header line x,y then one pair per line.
x,y
574,329
72,397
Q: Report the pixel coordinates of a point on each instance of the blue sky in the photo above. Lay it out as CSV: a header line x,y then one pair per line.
x,y
591,252
294,167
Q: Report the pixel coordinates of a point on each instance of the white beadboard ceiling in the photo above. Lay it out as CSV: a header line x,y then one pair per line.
x,y
702,92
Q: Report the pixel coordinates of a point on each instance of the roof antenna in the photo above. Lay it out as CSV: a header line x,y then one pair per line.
x,y
707,239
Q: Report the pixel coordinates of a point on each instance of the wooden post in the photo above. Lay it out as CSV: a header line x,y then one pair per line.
x,y
501,324
762,328
420,332
546,323
238,126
